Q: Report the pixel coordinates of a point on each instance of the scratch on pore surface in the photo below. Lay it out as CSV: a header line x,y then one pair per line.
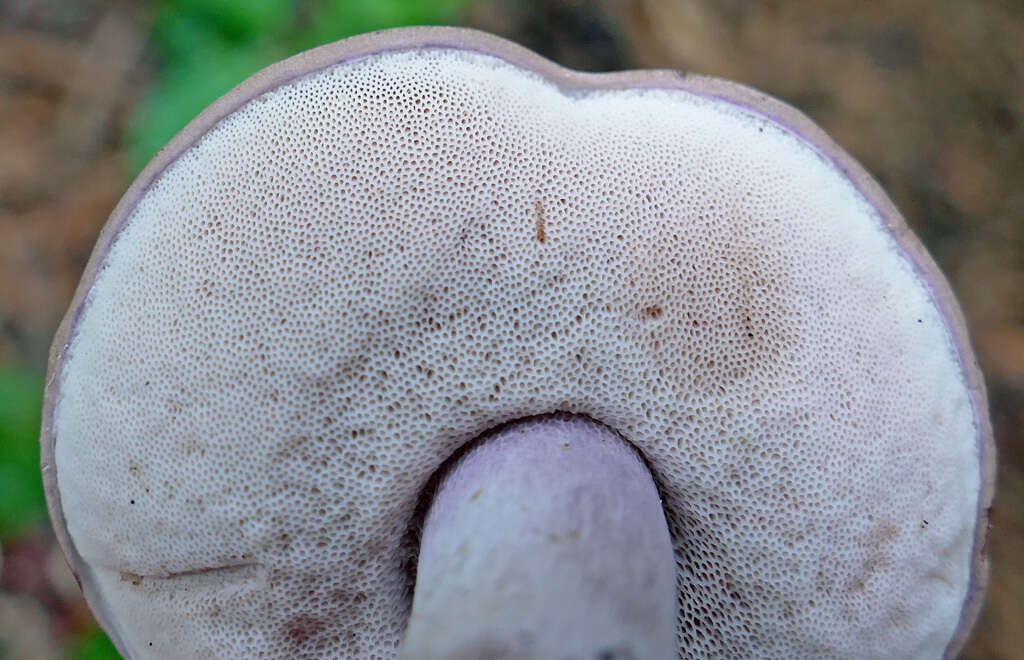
x,y
237,577
542,234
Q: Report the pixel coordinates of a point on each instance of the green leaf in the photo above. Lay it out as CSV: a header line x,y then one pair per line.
x,y
337,19
94,645
22,503
233,20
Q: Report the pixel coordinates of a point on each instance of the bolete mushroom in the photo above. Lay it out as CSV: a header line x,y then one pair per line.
x,y
366,258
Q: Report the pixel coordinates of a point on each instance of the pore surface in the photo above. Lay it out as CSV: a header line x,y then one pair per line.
x,y
357,272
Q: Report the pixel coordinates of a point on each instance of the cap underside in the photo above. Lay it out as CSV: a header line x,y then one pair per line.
x,y
345,273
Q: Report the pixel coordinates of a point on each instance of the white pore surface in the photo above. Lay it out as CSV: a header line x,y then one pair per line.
x,y
353,275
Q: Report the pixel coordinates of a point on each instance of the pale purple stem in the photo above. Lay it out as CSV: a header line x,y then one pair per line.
x,y
547,540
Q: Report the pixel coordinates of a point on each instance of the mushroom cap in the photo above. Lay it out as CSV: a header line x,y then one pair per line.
x,y
367,255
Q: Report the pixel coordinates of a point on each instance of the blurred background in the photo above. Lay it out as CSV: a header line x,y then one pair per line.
x,y
928,94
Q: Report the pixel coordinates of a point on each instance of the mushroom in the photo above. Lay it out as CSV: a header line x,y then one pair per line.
x,y
342,277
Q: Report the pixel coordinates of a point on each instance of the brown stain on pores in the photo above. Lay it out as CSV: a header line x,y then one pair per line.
x,y
542,234
134,578
301,629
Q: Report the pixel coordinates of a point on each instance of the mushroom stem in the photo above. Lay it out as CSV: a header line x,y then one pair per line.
x,y
546,540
